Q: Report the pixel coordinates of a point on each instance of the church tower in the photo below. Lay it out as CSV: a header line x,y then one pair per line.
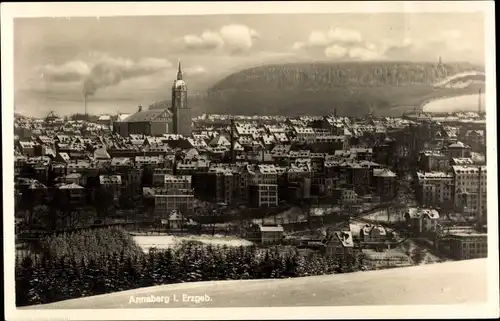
x,y
180,110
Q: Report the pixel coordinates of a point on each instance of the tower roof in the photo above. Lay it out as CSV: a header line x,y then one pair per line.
x,y
179,83
179,72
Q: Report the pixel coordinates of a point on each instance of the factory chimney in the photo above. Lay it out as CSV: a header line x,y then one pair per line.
x,y
479,198
85,104
479,102
232,141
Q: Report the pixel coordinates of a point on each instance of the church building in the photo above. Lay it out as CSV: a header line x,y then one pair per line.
x,y
156,122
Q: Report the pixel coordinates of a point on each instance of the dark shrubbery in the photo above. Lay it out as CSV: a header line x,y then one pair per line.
x,y
89,244
90,263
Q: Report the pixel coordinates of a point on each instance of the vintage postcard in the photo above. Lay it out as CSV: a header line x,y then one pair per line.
x,y
249,160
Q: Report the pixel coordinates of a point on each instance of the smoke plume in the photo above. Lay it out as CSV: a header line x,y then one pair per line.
x,y
112,71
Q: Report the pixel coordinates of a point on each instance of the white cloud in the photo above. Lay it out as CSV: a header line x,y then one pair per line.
x,y
298,45
233,37
192,71
369,52
364,54
69,71
445,43
340,43
336,51
344,35
332,36
153,64
238,37
318,38
207,40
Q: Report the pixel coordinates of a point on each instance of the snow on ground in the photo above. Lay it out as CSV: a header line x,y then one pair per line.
x,y
356,228
382,216
168,241
462,282
419,254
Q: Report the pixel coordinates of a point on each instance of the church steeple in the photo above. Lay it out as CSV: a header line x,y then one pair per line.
x,y
179,72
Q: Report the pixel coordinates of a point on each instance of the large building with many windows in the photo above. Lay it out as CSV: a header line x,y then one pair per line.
x,y
470,188
465,245
180,200
435,189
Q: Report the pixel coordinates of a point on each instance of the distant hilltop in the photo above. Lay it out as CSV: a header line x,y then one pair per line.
x,y
320,76
353,88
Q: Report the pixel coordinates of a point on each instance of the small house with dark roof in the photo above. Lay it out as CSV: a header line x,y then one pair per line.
x,y
265,234
112,184
62,157
373,233
101,154
339,244
175,220
421,220
75,178
458,150
72,194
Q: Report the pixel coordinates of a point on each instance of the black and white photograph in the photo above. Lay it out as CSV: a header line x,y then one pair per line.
x,y
249,160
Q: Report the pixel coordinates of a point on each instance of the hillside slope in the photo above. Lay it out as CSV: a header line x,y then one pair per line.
x,y
318,88
441,283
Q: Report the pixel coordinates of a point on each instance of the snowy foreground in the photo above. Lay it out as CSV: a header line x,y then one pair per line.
x,y
168,241
440,283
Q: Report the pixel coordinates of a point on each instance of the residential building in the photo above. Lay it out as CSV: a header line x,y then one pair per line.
x,y
458,150
166,201
71,195
385,183
172,181
112,184
470,192
27,148
434,161
435,189
340,245
217,185
263,195
373,234
465,246
265,235
421,220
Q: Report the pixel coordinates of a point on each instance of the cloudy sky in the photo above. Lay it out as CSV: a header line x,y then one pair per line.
x,y
122,62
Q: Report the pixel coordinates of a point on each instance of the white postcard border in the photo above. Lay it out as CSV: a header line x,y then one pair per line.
x,y
9,11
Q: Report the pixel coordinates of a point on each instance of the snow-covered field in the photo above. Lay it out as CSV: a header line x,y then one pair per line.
x,y
382,216
462,282
168,241
454,104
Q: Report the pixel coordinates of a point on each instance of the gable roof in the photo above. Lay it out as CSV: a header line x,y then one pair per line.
x,y
147,115
220,141
101,153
